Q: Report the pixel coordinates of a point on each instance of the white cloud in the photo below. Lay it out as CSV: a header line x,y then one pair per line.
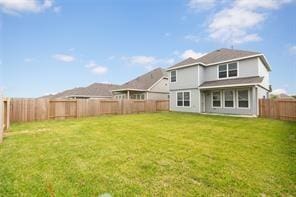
x,y
237,22
91,64
28,60
64,57
50,93
95,68
278,92
292,50
17,6
232,25
57,9
148,62
193,38
266,4
191,53
112,57
2,89
99,70
201,4
167,34
141,60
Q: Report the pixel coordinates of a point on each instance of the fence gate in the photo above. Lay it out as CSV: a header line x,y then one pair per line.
x,y
62,109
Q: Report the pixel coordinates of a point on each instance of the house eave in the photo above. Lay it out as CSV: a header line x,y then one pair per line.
x,y
228,86
186,65
129,89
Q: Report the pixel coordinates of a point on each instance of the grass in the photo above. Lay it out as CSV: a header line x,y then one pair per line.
x,y
160,154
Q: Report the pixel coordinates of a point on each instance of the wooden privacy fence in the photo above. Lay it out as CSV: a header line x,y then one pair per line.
x,y
278,109
25,110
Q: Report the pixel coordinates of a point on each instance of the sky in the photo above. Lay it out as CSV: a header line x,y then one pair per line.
x,y
48,46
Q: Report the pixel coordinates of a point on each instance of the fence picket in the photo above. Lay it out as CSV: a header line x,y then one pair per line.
x,y
25,110
278,109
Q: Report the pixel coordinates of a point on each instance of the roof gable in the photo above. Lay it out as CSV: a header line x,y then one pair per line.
x,y
223,54
220,55
93,90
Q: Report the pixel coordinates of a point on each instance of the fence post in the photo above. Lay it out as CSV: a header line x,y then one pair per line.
x,y
1,119
7,123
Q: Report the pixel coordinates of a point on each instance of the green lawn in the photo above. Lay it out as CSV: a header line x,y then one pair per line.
x,y
160,154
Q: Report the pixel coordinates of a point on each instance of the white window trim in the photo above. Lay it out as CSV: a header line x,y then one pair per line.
x,y
227,70
213,100
183,98
219,72
234,96
249,99
171,76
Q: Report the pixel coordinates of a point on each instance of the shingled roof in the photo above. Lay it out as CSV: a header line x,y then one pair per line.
x,y
93,90
145,81
216,56
230,82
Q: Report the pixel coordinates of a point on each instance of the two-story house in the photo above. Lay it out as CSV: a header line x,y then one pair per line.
x,y
224,81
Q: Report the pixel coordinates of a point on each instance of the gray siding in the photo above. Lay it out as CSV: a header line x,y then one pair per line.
x,y
263,72
161,86
246,68
157,96
186,78
195,95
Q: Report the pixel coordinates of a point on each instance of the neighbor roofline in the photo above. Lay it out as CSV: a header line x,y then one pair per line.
x,y
225,61
82,95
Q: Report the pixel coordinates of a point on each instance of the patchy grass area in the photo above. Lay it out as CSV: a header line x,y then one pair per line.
x,y
161,154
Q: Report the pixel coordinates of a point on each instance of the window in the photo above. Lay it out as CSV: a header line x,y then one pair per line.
x,y
232,70
173,76
186,99
223,71
228,98
137,96
216,98
228,70
183,99
180,99
243,98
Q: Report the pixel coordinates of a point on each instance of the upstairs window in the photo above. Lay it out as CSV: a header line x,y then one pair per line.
x,y
216,98
183,99
228,70
232,70
173,76
223,71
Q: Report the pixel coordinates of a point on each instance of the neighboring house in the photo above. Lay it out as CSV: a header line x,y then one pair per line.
x,y
95,90
152,85
224,81
281,96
